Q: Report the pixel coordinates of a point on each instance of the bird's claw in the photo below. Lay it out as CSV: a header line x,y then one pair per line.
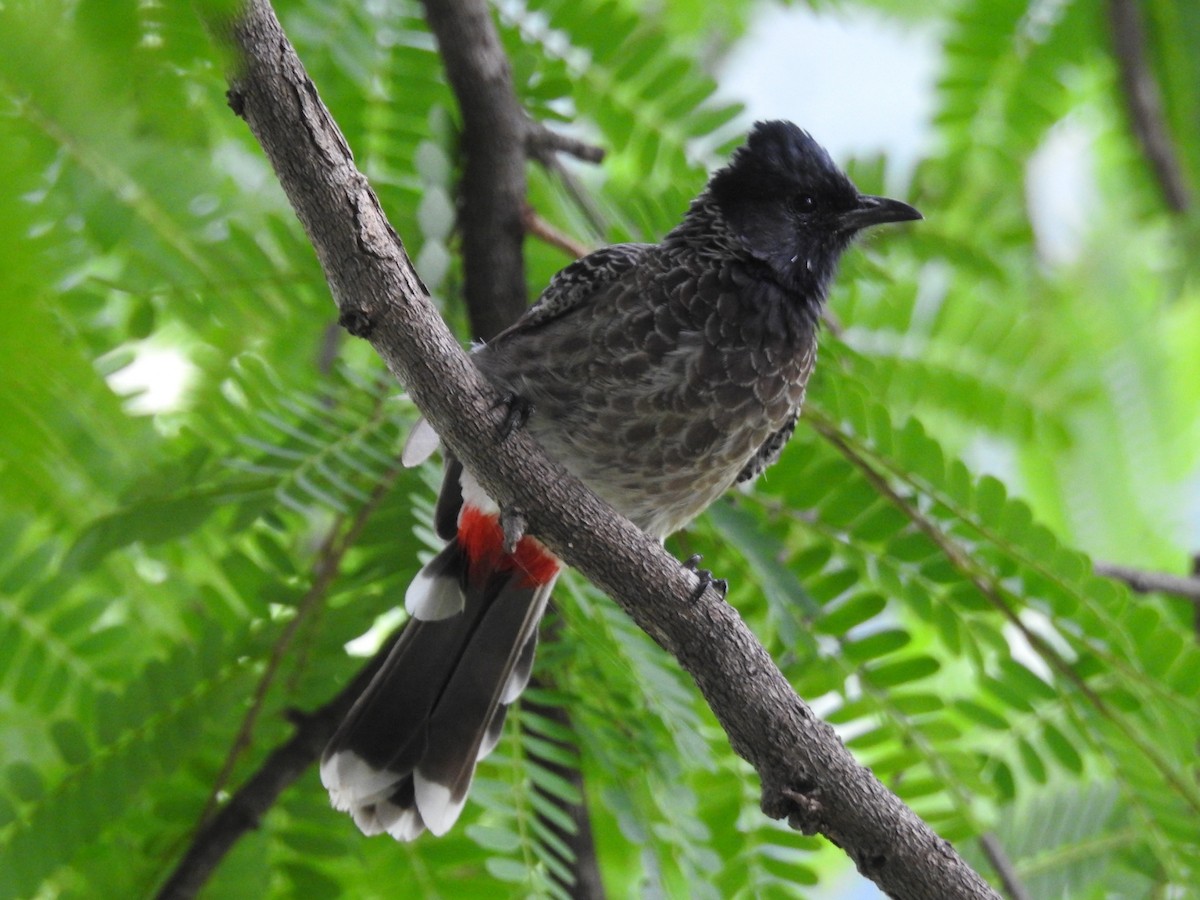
x,y
513,524
516,413
705,577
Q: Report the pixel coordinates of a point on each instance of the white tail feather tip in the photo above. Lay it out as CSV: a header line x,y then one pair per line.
x,y
421,443
439,810
352,783
433,597
401,823
407,826
518,680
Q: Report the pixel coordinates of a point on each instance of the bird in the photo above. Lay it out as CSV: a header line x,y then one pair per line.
x,y
659,374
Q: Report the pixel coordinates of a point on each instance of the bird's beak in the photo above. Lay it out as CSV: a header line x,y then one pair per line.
x,y
875,211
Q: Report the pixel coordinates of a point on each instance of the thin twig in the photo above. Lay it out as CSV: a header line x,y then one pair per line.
x,y
1009,879
1145,102
539,228
1146,582
1196,611
542,144
830,320
597,221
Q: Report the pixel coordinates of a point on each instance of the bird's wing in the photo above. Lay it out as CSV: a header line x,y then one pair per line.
x,y
769,452
576,285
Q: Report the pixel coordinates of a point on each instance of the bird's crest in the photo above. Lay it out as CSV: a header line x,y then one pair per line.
x,y
780,158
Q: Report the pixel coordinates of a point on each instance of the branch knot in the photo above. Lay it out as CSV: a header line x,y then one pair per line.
x,y
357,322
236,99
800,804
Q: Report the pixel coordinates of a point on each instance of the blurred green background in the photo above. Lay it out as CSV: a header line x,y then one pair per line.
x,y
201,506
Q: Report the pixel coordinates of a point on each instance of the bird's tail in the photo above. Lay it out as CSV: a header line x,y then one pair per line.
x,y
404,758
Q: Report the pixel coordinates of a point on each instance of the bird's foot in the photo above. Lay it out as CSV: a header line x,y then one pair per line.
x,y
516,413
720,585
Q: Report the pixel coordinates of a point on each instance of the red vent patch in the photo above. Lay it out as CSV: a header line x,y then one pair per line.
x,y
482,538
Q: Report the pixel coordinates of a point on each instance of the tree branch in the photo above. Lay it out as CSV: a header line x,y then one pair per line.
x,y
1145,582
250,803
488,299
340,537
498,137
808,776
585,882
1144,102
493,141
994,851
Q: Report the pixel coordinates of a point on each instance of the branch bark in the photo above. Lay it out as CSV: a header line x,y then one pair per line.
x,y
493,142
807,774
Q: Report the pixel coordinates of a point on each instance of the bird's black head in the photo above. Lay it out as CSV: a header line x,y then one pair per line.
x,y
792,209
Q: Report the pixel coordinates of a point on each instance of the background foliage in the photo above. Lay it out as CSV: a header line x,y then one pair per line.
x,y
175,577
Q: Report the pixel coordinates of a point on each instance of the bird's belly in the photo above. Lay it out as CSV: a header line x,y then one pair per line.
x,y
658,469
660,435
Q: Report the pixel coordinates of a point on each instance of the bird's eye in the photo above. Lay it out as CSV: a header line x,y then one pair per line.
x,y
803,203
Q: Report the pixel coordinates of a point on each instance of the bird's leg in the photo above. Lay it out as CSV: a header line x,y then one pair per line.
x,y
513,524
720,585
516,413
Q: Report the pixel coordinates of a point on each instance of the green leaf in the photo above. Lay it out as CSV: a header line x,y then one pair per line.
x,y
1031,761
24,781
876,645
1002,779
152,522
495,839
71,742
507,870
1023,681
902,671
1064,751
783,589
28,569
982,715
832,585
850,612
807,492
